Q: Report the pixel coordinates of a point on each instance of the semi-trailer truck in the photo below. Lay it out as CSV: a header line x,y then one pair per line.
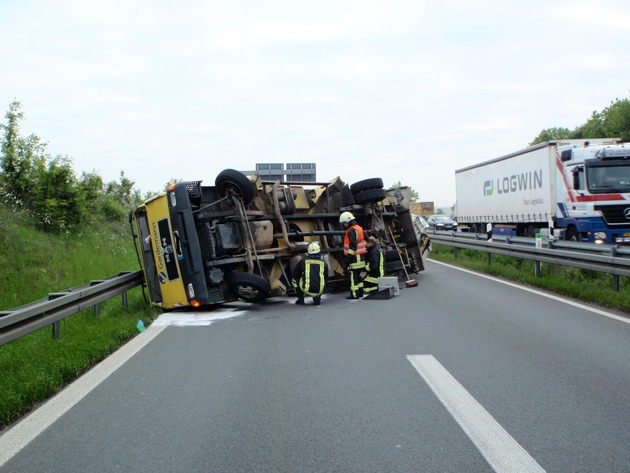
x,y
578,189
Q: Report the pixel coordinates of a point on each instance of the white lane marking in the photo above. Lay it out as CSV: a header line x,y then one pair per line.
x,y
499,449
540,293
16,438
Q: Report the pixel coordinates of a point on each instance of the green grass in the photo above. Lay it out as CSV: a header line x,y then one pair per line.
x,y
34,264
588,286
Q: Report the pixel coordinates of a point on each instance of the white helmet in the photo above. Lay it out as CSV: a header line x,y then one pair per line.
x,y
345,217
313,248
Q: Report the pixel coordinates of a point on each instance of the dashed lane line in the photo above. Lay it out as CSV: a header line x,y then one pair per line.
x,y
498,447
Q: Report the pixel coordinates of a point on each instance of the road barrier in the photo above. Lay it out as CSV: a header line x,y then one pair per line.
x,y
23,320
611,259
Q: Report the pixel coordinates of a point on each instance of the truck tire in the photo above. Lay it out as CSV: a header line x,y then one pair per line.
x,y
530,231
347,199
231,180
369,196
373,183
572,234
249,287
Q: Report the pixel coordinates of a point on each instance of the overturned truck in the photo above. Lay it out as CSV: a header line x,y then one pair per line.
x,y
239,239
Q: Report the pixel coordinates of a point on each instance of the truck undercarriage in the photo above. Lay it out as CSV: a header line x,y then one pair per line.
x,y
241,238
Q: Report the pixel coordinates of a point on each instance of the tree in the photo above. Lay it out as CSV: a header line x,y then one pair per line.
x,y
593,128
413,195
551,134
119,198
57,200
91,188
616,120
23,160
47,189
612,122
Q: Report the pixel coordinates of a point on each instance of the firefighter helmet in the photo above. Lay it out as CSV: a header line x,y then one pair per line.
x,y
346,217
313,248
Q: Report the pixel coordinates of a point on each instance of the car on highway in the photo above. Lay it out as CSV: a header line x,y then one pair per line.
x,y
441,222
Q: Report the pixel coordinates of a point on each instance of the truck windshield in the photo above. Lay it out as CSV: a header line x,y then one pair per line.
x,y
606,177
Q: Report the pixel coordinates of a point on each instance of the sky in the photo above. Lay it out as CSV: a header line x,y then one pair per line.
x,y
405,90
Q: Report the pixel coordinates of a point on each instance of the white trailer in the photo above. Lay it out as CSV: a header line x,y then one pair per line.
x,y
579,188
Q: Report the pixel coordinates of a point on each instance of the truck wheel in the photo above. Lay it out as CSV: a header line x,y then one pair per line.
x,y
572,234
231,180
530,231
373,183
249,287
370,195
347,199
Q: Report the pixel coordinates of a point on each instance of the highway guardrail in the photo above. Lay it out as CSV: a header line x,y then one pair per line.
x,y
23,320
611,259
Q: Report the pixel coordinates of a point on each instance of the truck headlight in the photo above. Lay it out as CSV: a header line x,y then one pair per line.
x,y
600,237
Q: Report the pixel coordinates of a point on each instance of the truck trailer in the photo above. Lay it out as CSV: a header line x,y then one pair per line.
x,y
579,190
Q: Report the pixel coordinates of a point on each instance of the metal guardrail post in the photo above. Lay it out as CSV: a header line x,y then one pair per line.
x,y
56,326
56,330
615,282
615,277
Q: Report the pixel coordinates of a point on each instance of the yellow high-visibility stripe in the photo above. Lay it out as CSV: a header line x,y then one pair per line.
x,y
305,283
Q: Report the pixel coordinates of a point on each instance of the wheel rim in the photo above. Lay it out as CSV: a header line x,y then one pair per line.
x,y
248,292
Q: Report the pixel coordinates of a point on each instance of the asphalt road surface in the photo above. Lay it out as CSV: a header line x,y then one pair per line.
x,y
459,374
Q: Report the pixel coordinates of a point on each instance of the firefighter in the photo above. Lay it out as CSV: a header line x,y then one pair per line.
x,y
374,265
354,249
309,275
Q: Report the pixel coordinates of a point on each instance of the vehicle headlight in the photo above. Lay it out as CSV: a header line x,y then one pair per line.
x,y
600,237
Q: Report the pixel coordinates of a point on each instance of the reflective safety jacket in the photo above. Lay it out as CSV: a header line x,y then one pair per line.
x,y
353,241
374,264
309,276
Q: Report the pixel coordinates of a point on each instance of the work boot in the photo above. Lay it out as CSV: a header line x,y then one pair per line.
x,y
300,301
352,297
317,300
